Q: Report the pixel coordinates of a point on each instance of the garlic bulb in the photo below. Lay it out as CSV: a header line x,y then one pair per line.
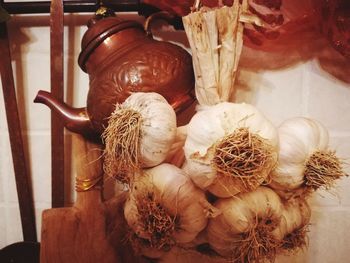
x,y
293,225
304,157
242,231
230,148
140,133
165,208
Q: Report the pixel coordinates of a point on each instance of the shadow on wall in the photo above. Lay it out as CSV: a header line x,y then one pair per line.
x,y
287,53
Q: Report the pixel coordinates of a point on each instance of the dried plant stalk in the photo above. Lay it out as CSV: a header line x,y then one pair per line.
x,y
204,58
231,43
216,41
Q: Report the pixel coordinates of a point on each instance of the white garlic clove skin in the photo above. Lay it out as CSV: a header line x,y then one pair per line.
x,y
180,197
207,127
201,174
224,188
176,155
130,213
158,126
299,138
305,135
289,176
295,215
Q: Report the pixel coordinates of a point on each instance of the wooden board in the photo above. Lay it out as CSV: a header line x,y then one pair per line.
x,y
92,230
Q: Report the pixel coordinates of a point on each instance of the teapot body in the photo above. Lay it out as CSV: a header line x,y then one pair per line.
x,y
144,65
121,57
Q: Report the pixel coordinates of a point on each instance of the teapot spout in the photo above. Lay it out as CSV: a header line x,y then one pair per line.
x,y
74,119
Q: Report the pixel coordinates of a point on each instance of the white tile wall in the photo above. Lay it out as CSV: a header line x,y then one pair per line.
x,y
301,88
3,168
3,226
3,123
328,100
278,94
13,224
329,235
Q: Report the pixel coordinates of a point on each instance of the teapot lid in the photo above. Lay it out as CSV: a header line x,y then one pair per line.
x,y
101,26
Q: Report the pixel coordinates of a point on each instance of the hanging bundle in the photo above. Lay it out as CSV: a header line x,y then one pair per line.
x,y
216,40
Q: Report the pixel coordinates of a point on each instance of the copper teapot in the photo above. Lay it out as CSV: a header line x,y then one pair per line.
x,y
122,57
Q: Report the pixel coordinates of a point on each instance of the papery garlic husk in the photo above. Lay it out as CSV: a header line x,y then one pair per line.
x,y
165,208
140,133
230,148
305,160
293,225
176,155
242,232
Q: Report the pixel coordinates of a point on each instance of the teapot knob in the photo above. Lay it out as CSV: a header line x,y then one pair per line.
x,y
101,12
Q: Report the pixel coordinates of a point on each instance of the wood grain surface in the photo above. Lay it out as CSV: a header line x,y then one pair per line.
x,y
57,90
92,230
23,185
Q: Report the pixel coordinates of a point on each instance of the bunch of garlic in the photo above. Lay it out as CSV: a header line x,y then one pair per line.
x,y
216,40
230,148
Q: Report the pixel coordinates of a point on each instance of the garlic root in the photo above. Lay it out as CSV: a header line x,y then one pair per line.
x,y
122,137
241,155
322,169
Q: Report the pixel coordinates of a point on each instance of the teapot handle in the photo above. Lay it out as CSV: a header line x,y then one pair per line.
x,y
168,17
